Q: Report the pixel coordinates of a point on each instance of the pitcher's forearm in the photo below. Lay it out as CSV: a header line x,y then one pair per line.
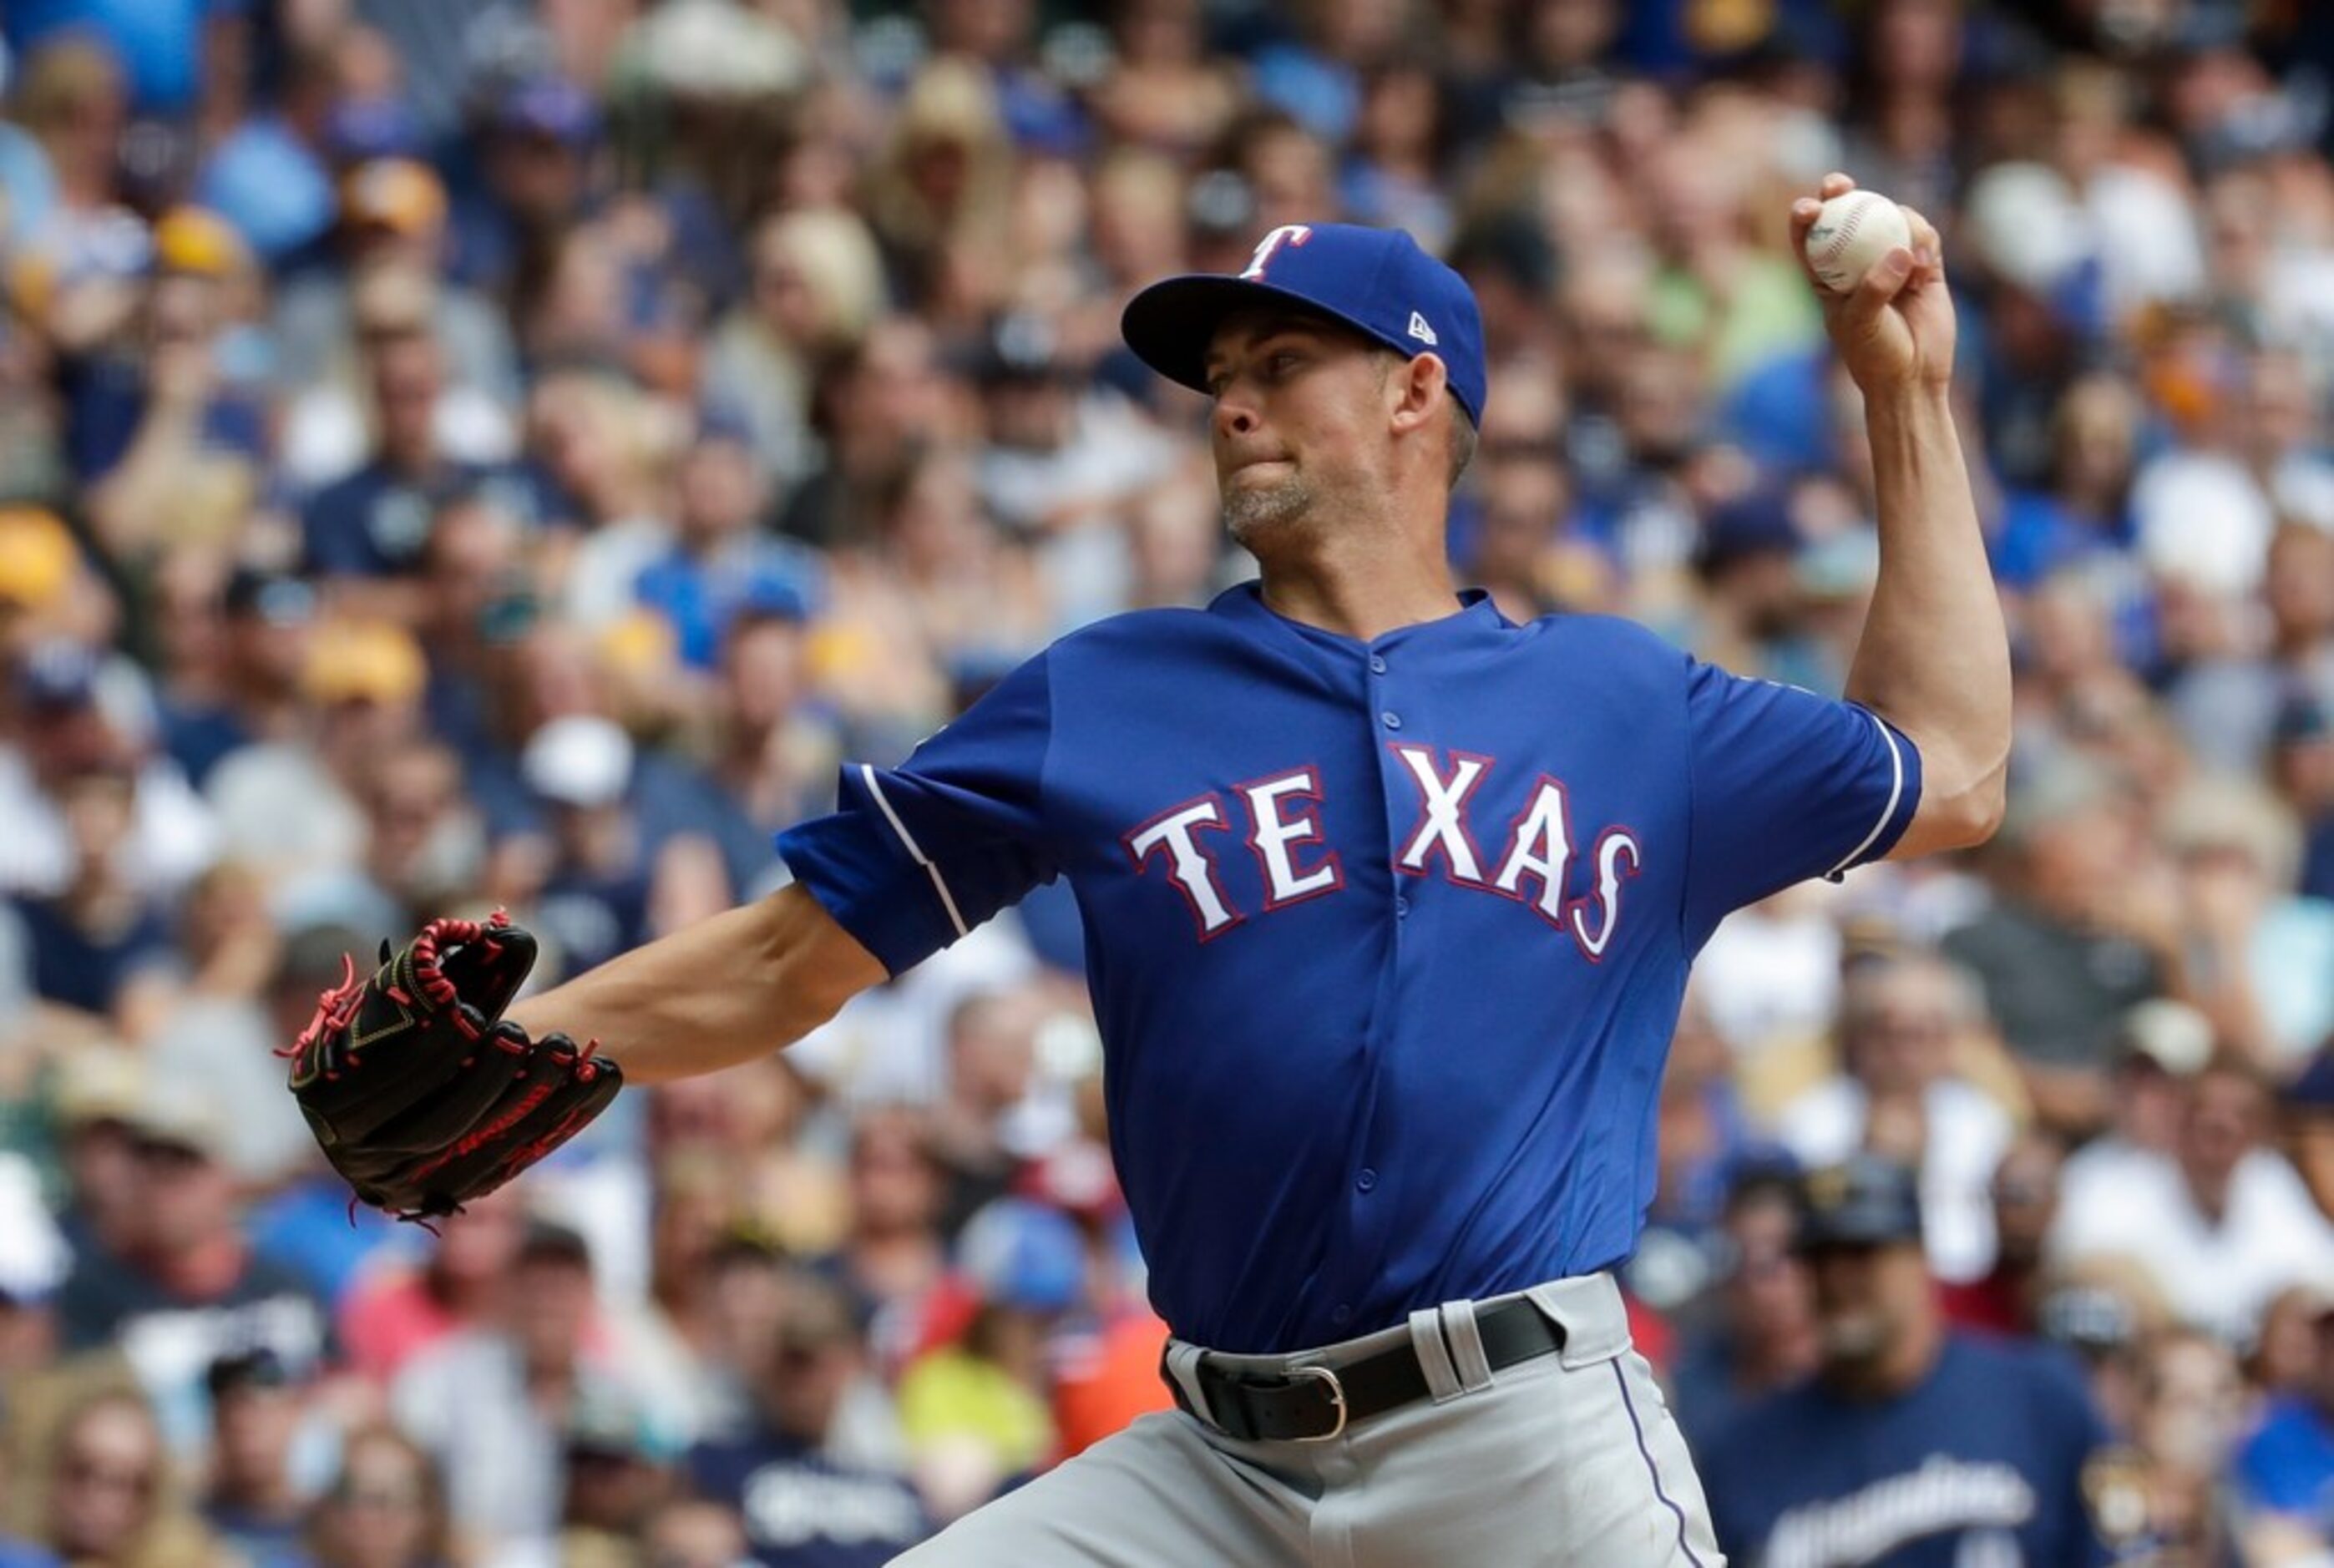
x,y
744,983
1934,656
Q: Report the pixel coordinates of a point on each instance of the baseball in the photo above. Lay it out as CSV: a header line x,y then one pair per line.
x,y
1852,232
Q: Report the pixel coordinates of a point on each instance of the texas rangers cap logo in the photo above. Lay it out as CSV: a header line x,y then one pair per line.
x,y
1286,233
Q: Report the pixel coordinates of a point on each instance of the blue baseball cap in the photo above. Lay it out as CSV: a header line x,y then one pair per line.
x,y
1019,1253
1376,281
1866,1200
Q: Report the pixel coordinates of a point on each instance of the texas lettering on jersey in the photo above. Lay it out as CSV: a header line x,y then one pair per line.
x,y
1278,819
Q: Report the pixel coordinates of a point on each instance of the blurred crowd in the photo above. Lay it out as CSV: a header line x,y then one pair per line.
x,y
460,454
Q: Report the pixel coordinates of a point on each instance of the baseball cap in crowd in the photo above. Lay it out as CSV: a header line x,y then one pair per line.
x,y
200,243
549,107
2168,1034
550,1240
57,675
1753,524
277,598
37,556
1018,346
1023,1254
363,661
605,1423
95,1083
360,130
257,1367
396,194
581,760
1866,1200
176,1114
1376,281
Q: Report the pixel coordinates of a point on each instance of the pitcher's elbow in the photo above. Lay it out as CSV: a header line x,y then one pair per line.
x,y
1978,805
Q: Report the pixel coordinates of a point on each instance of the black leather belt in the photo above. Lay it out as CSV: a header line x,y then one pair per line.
x,y
1314,1403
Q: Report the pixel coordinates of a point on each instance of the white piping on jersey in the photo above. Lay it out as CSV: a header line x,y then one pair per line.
x,y
1895,792
947,901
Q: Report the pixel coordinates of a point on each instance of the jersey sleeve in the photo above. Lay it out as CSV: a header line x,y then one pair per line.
x,y
914,857
1785,785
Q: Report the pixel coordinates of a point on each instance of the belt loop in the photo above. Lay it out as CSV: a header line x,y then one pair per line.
x,y
1433,1355
1183,1364
1467,1359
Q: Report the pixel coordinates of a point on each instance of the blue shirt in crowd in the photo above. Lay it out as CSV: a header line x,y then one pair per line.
x,y
803,1511
1983,1461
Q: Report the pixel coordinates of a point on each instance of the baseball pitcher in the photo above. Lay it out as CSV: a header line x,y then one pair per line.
x,y
1389,904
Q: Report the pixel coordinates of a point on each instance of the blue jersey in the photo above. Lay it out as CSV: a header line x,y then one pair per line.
x,y
1983,1463
1386,940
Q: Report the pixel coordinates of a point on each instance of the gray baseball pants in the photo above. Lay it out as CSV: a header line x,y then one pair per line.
x,y
1567,1460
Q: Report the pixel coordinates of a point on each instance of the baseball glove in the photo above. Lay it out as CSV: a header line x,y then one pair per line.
x,y
422,1094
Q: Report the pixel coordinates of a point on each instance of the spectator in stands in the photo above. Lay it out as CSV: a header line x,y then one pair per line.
x,y
721,564
1898,1094
265,618
183,1272
386,1510
894,1256
109,1492
976,1410
371,517
2261,958
2073,943
2191,1412
253,1499
776,1474
1760,1333
2222,1224
392,214
2160,1047
398,1311
1898,1396
2024,1197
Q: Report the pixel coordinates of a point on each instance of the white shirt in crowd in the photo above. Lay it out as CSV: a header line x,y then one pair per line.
x,y
2217,1277
1966,1134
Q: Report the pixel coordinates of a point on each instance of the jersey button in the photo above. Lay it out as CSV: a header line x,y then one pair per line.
x,y
1401,908
1342,1314
1366,1181
1377,665
1391,720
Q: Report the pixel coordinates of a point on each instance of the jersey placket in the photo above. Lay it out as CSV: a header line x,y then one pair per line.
x,y
1366,1247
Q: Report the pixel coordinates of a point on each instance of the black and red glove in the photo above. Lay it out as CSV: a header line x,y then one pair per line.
x,y
422,1094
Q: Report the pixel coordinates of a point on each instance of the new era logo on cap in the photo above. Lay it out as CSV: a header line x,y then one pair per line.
x,y
1376,281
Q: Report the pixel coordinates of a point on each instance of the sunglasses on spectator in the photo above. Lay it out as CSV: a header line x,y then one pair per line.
x,y
81,1470
166,1156
380,1499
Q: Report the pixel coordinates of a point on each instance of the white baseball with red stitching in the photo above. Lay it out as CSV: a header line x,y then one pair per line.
x,y
1852,232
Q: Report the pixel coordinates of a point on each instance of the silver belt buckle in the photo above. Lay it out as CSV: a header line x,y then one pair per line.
x,y
1337,1399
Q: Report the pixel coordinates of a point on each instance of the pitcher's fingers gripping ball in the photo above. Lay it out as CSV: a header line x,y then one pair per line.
x,y
1849,235
422,1095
